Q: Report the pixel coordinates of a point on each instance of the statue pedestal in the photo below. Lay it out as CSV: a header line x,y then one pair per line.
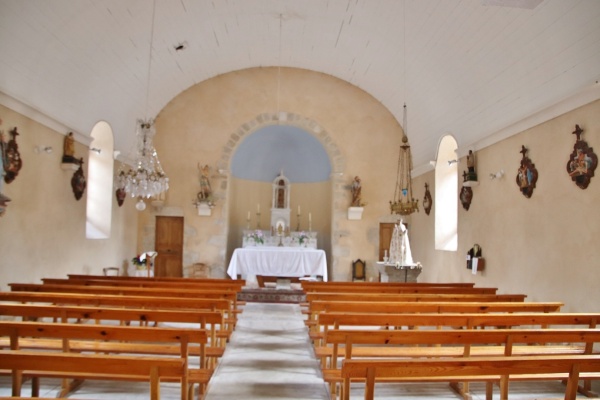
x,y
405,273
355,213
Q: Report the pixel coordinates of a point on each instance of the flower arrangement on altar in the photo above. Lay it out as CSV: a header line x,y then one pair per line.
x,y
257,236
139,261
303,238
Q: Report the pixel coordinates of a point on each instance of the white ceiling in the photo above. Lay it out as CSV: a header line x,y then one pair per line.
x,y
472,68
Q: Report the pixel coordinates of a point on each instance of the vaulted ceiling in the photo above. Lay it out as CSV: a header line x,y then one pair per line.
x,y
472,68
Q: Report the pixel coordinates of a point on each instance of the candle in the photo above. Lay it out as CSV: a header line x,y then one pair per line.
x,y
258,208
248,218
298,210
309,217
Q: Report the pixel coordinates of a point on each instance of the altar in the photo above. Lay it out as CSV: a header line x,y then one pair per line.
x,y
277,261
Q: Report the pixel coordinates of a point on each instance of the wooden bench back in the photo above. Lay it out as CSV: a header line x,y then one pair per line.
x,y
319,284
222,305
215,281
431,307
372,370
387,297
125,290
401,289
211,320
456,320
154,368
224,285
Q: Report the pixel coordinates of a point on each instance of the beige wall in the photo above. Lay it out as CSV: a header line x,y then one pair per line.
x,y
545,246
42,233
206,123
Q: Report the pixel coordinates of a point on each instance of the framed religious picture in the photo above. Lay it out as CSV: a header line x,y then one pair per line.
x,y
582,161
527,175
427,200
120,194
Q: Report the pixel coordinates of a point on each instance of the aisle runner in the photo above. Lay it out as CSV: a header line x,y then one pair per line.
x,y
269,356
267,295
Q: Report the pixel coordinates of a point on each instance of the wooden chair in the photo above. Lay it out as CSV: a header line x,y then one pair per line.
x,y
111,271
359,270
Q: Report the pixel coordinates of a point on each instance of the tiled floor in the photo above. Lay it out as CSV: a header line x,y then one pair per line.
x,y
270,357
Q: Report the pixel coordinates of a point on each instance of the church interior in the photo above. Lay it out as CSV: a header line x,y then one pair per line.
x,y
254,161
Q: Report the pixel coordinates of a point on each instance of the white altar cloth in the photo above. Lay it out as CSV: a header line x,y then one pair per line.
x,y
277,261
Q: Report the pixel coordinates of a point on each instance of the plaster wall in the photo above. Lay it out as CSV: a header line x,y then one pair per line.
x,y
545,246
42,233
205,124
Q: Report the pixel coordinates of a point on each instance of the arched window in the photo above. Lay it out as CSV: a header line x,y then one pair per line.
x,y
446,195
100,183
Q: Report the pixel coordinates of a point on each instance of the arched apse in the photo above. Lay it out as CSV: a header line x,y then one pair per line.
x,y
307,156
271,149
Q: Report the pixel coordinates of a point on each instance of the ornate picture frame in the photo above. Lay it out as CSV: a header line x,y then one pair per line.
x,y
427,200
527,174
582,161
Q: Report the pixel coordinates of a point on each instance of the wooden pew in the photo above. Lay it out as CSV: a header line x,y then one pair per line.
x,y
319,306
129,291
117,339
86,366
571,367
204,320
455,344
387,297
158,279
328,321
358,288
319,284
151,302
111,281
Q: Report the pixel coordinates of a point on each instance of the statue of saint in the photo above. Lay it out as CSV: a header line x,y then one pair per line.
x,y
69,149
205,189
356,193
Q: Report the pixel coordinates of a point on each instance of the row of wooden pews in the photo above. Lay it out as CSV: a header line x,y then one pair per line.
x,y
373,333
117,328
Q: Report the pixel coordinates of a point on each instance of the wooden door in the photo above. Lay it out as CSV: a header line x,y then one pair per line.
x,y
386,230
169,245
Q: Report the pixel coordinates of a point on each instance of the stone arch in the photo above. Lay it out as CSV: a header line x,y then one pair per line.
x,y
333,151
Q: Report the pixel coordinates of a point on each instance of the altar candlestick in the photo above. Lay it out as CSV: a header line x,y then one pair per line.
x,y
248,218
258,208
309,222
298,210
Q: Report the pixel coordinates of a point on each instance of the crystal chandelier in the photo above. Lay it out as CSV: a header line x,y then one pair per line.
x,y
146,179
404,203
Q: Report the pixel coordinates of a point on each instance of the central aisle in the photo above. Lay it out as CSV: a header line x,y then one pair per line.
x,y
269,356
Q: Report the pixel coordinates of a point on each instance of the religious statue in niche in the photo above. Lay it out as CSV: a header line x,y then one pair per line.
x,y
466,193
78,182
205,194
427,200
582,161
11,158
356,190
527,175
69,150
471,175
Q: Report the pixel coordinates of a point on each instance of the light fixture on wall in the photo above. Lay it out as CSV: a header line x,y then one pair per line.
x,y
497,175
404,202
96,150
450,162
44,149
147,178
